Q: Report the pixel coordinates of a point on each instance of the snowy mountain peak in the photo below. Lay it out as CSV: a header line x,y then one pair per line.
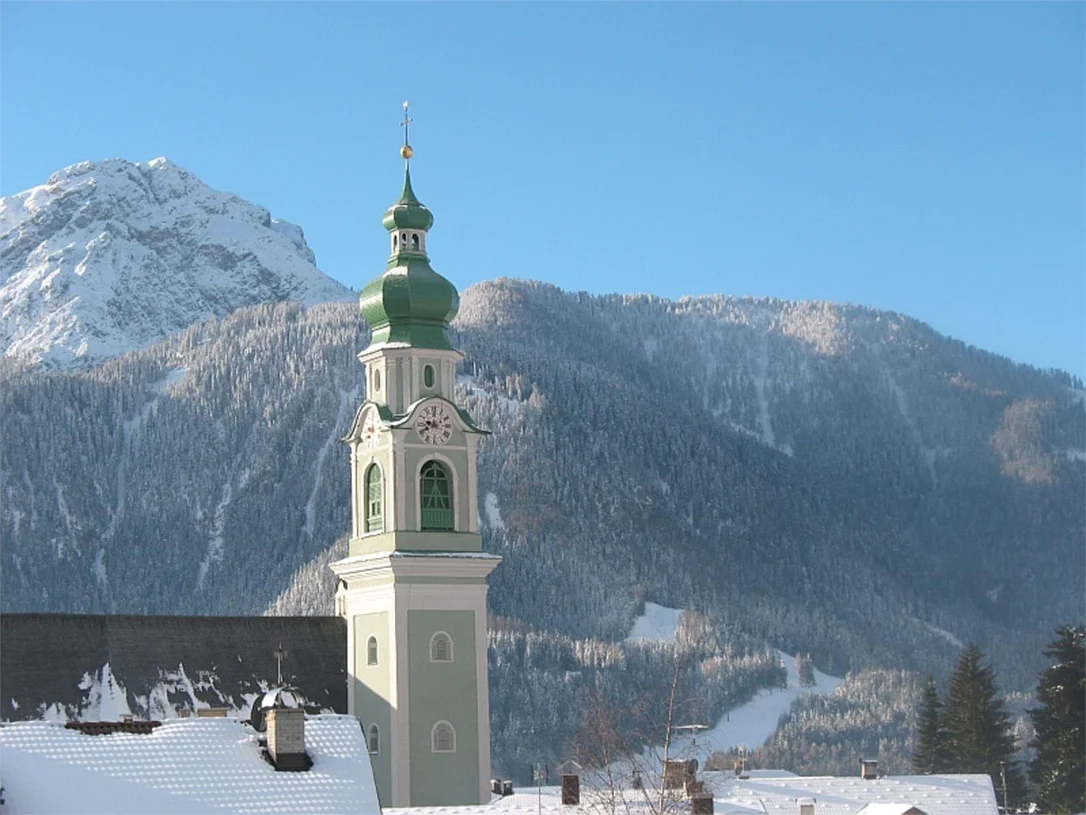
x,y
113,255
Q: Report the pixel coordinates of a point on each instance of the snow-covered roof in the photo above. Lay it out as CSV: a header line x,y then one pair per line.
x,y
932,794
777,795
183,767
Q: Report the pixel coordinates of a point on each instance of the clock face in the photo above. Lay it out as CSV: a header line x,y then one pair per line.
x,y
370,431
434,424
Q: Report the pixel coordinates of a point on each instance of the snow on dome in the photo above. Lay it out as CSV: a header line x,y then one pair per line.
x,y
280,697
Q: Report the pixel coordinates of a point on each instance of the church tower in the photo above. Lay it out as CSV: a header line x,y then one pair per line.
x,y
413,587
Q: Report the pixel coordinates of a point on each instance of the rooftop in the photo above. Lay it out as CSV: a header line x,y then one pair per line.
x,y
183,767
775,793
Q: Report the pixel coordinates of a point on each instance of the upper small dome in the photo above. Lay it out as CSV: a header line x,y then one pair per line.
x,y
408,212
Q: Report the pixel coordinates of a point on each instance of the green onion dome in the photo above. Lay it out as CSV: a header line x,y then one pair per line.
x,y
410,303
408,212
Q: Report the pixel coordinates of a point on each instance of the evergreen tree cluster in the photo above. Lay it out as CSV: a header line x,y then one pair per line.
x,y
869,714
541,686
771,464
970,730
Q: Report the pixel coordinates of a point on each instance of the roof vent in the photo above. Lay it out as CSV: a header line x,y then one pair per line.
x,y
806,806
869,769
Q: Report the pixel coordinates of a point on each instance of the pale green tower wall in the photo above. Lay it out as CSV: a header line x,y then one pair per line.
x,y
373,692
443,691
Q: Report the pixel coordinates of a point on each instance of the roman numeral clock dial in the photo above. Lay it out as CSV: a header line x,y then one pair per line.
x,y
434,424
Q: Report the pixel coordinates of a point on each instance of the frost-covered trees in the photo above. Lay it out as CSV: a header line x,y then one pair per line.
x,y
805,669
1058,771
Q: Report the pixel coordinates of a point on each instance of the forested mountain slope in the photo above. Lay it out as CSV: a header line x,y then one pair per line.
x,y
826,478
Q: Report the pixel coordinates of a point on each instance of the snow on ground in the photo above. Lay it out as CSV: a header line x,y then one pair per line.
x,y
946,635
183,767
657,624
493,512
751,724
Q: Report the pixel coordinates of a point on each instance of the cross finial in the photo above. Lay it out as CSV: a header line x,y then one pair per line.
x,y
406,150
279,655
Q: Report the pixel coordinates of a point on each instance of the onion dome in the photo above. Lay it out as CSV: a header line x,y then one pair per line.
x,y
408,212
410,303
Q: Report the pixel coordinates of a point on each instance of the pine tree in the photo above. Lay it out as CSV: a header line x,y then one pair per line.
x,y
979,736
1059,770
805,669
930,753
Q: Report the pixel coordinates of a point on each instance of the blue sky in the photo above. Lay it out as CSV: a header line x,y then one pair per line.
x,y
920,157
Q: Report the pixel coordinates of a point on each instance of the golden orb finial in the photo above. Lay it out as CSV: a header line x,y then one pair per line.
x,y
406,152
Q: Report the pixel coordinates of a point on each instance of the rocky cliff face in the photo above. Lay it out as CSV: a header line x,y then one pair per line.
x,y
110,256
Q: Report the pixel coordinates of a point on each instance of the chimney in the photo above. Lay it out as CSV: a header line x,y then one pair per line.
x,y
869,769
806,806
702,804
571,789
286,738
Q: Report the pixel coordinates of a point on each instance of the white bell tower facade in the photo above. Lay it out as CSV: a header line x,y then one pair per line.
x,y
413,587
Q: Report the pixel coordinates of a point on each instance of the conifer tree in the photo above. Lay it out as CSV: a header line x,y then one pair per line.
x,y
930,753
805,669
1059,769
979,736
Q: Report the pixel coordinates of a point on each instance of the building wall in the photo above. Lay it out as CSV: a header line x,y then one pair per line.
x,y
443,691
373,692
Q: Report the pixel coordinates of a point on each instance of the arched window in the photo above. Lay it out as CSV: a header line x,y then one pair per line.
x,y
415,240
373,740
443,738
375,521
371,651
395,242
435,488
428,376
441,647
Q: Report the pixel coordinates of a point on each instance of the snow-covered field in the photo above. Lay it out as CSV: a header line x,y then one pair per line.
x,y
749,725
657,624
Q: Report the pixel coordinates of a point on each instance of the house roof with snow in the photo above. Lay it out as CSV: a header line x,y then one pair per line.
x,y
182,767
82,666
777,794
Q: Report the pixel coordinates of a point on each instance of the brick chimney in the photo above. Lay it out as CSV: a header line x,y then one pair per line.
x,y
869,769
286,738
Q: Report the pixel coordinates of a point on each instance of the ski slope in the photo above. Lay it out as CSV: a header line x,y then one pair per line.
x,y
748,725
